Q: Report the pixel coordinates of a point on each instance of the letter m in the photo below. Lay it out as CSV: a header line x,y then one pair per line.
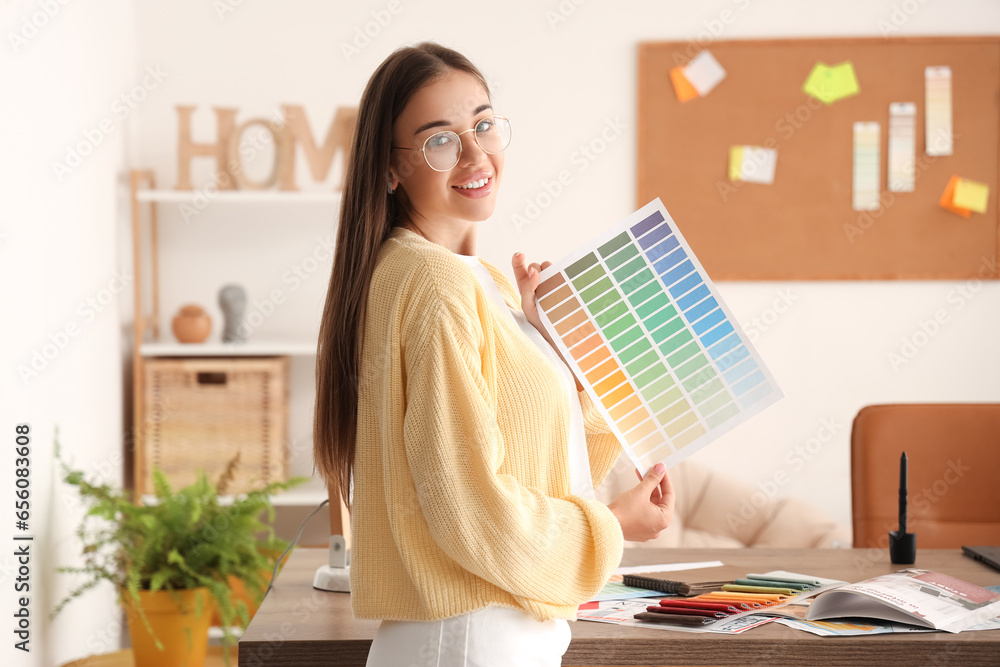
x,y
339,136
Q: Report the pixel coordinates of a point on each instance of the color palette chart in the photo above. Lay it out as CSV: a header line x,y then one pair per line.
x,y
902,146
937,113
636,316
866,166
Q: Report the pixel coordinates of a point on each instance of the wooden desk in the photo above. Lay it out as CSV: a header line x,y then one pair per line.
x,y
213,658
298,625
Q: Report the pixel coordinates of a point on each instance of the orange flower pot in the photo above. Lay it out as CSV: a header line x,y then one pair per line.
x,y
182,632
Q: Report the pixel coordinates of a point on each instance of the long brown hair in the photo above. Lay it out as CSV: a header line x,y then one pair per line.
x,y
368,212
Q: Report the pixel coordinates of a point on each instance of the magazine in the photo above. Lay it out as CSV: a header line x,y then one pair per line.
x,y
918,597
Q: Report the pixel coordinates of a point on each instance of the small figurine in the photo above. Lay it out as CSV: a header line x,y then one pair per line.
x,y
233,301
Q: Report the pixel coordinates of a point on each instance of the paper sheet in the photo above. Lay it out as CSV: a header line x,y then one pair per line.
x,y
704,72
902,146
866,167
752,164
937,110
645,331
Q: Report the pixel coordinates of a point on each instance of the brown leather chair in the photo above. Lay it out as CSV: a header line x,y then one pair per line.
x,y
953,460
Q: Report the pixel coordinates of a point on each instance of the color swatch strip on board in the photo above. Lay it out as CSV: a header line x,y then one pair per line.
x,y
646,332
865,194
902,146
937,110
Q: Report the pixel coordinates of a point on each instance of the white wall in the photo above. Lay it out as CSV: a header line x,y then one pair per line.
x,y
562,79
560,82
59,242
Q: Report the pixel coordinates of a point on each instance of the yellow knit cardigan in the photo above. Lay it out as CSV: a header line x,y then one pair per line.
x,y
461,476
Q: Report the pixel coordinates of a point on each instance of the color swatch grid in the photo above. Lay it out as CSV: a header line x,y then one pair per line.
x,y
902,146
866,166
652,341
937,110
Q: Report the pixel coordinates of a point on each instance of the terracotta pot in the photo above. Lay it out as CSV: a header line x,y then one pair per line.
x,y
182,632
191,324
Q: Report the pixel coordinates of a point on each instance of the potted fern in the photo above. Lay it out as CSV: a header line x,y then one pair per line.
x,y
180,554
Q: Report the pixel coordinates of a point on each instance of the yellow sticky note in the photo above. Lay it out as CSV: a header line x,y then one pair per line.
x,y
829,84
735,163
971,195
842,81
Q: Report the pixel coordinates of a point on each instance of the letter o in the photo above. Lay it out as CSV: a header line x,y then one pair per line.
x,y
234,154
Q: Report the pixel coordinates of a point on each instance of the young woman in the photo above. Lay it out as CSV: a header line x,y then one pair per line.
x,y
455,432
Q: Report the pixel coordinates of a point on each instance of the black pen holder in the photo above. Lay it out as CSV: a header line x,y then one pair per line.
x,y
902,547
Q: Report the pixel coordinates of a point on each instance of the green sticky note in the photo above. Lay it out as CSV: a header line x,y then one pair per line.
x,y
971,195
829,84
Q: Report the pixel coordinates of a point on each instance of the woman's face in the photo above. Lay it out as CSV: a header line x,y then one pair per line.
x,y
456,102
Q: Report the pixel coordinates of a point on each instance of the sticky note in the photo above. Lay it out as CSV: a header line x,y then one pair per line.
x,y
641,325
735,163
902,146
971,195
865,191
937,110
704,72
682,87
752,164
948,198
829,84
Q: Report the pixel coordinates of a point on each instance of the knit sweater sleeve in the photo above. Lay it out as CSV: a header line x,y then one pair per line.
x,y
603,448
557,551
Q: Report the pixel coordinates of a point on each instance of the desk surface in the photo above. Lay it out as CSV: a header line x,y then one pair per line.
x,y
299,625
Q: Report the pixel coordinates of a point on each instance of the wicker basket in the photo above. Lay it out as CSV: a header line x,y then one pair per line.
x,y
201,411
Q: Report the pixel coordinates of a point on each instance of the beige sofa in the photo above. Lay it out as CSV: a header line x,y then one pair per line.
x,y
716,510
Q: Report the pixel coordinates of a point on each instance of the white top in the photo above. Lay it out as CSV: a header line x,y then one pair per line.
x,y
581,483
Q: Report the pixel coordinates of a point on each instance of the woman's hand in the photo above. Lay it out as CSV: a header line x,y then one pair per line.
x,y
527,276
646,509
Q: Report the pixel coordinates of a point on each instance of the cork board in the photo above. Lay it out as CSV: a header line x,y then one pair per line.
x,y
803,226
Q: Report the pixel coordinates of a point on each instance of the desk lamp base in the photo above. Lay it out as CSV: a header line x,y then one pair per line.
x,y
335,577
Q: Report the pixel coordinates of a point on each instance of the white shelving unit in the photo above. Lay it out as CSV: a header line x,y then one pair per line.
x,y
146,334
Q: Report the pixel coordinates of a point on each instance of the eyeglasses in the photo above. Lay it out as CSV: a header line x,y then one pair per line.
x,y
443,150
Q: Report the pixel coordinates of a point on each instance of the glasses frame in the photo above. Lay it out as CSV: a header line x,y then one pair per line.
x,y
461,147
